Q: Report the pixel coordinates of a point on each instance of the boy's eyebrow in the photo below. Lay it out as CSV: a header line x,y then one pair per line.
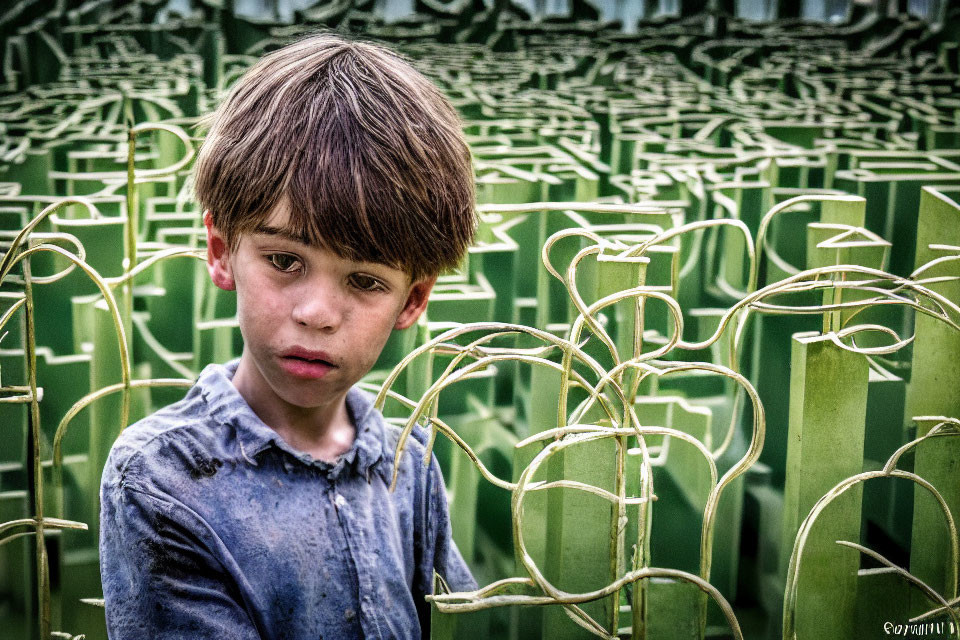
x,y
286,234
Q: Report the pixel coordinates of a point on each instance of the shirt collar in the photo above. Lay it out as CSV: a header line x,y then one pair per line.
x,y
254,436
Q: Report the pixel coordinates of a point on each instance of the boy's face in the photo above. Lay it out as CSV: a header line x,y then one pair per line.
x,y
313,323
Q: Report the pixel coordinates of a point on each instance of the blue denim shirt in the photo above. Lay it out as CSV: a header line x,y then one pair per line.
x,y
212,526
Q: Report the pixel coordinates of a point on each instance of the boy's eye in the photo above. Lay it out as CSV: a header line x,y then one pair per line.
x,y
283,262
366,283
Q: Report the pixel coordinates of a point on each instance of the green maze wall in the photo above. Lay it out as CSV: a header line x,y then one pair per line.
x,y
711,380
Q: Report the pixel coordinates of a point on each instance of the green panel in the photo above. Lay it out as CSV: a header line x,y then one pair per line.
x,y
936,369
825,446
579,557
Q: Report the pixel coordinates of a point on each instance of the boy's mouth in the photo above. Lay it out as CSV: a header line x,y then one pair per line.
x,y
313,360
306,363
308,355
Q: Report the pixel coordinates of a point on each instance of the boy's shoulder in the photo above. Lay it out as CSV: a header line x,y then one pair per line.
x,y
169,438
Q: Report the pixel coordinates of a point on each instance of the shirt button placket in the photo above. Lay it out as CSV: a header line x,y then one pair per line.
x,y
365,573
357,553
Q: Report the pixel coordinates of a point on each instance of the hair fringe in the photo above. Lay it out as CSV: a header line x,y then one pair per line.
x,y
367,153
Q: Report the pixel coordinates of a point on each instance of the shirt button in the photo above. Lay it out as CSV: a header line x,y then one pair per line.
x,y
340,500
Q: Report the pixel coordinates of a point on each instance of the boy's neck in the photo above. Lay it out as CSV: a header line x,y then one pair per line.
x,y
325,432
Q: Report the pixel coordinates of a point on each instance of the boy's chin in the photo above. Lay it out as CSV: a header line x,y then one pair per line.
x,y
308,394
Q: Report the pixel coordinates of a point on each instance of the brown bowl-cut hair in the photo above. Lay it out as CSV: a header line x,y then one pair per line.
x,y
367,153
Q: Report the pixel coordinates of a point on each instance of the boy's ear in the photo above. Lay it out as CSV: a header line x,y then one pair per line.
x,y
416,303
218,256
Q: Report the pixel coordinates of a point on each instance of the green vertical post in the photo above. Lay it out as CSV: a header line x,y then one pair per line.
x,y
604,274
579,556
828,404
934,389
544,397
582,558
851,212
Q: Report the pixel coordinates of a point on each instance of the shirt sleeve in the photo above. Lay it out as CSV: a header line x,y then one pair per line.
x,y
159,579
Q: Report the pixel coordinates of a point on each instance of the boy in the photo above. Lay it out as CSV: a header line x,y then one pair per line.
x,y
336,185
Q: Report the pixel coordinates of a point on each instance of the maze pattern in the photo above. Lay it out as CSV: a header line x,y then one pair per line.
x,y
709,328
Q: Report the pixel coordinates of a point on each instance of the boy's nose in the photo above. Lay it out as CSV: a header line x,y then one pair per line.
x,y
319,310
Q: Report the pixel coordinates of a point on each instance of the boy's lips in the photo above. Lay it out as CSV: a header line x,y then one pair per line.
x,y
306,363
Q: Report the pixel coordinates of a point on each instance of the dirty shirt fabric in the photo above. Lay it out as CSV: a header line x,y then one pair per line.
x,y
212,526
